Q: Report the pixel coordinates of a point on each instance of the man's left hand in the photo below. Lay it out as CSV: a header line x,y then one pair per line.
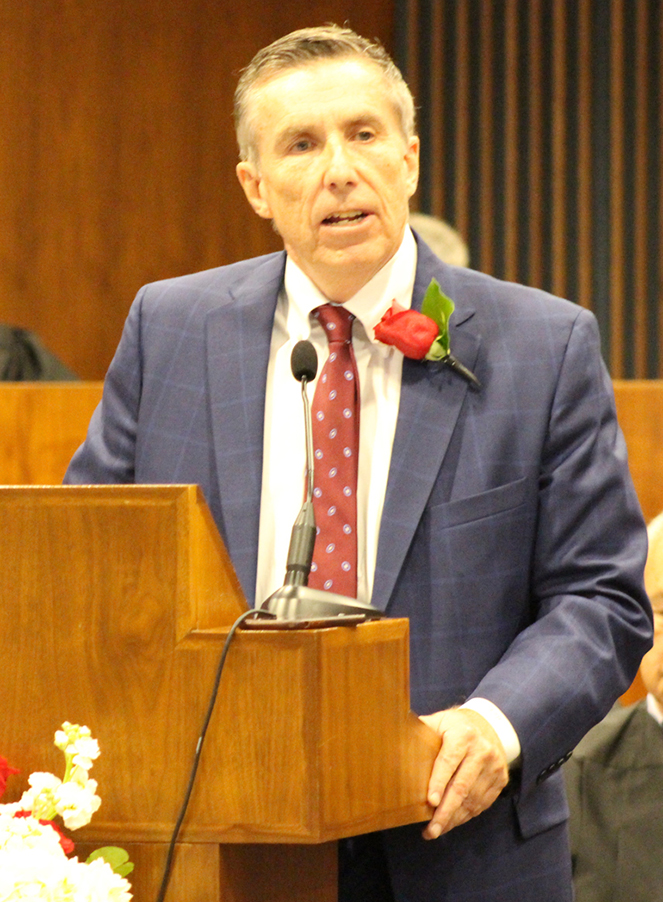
x,y
469,772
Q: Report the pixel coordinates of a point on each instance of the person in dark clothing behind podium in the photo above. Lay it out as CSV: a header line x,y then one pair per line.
x,y
24,358
494,508
615,780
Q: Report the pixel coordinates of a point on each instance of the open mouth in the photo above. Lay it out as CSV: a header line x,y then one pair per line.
x,y
350,218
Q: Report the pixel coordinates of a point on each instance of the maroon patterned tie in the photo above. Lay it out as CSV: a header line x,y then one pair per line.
x,y
336,447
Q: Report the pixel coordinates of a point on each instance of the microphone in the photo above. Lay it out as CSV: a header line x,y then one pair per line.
x,y
304,366
295,601
304,361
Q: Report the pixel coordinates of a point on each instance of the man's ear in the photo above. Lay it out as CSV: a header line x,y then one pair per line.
x,y
249,179
412,165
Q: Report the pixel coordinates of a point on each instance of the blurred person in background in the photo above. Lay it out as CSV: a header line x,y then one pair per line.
x,y
615,780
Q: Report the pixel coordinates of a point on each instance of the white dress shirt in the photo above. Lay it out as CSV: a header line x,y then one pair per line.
x,y
284,451
654,708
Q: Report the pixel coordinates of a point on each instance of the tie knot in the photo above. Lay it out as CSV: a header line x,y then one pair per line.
x,y
336,321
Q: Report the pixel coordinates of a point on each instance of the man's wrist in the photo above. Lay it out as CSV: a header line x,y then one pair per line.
x,y
502,726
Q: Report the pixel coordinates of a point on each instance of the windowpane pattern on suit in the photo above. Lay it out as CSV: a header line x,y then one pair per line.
x,y
336,447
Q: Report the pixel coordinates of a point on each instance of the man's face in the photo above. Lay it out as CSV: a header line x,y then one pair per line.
x,y
333,170
652,663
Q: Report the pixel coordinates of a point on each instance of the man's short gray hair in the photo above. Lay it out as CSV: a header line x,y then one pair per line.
x,y
309,45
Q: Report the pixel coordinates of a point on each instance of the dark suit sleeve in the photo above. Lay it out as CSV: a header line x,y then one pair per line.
x,y
108,453
591,618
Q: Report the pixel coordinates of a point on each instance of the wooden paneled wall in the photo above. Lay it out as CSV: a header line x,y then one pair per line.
x,y
541,127
117,152
640,413
542,143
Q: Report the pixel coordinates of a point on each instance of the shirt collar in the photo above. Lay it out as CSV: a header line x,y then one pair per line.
x,y
654,708
395,281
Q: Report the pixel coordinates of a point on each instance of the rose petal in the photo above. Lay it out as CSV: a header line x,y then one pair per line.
x,y
410,331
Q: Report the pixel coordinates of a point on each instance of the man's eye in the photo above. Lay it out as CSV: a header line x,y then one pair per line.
x,y
365,135
301,146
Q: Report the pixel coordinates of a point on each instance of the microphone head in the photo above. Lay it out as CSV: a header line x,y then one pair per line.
x,y
304,361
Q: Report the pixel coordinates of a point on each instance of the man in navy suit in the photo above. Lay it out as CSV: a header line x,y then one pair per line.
x,y
501,521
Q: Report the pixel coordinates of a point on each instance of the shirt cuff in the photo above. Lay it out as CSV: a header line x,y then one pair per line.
x,y
502,726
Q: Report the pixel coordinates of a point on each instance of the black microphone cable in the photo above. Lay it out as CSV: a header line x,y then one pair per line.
x,y
199,746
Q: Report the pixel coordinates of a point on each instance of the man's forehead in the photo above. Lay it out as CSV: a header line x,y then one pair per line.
x,y
324,78
304,103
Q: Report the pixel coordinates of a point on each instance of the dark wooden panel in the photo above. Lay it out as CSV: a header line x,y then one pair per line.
x,y
534,273
117,152
617,174
548,115
584,109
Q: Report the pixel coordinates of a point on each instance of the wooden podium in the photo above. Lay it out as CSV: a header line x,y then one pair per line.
x,y
116,604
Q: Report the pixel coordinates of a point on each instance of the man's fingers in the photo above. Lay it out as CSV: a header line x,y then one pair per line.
x,y
468,774
468,740
467,794
449,758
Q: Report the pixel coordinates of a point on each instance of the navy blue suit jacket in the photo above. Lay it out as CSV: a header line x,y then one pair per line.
x,y
511,536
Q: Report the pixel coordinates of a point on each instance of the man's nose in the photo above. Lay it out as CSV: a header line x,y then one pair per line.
x,y
339,166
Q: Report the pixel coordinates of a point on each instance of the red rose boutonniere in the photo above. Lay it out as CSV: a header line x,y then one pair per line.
x,y
425,335
408,330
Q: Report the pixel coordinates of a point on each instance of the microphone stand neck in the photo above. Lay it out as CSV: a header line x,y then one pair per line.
x,y
302,538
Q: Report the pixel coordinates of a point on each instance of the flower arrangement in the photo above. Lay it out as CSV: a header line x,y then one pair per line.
x,y
35,853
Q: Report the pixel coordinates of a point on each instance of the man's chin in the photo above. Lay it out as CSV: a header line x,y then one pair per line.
x,y
355,250
342,273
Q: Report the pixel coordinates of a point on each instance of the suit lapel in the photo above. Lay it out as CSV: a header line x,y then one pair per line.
x,y
238,335
238,341
430,403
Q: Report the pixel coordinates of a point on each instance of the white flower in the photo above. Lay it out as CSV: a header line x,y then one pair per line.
x,y
33,864
61,738
28,875
77,742
78,775
43,782
26,833
85,751
97,882
40,798
69,734
11,808
76,802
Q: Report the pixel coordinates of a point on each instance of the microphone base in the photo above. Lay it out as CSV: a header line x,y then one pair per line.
x,y
294,603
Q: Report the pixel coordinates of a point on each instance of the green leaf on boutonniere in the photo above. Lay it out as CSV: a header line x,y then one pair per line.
x,y
439,308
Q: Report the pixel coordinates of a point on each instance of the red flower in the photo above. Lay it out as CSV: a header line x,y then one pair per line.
x,y
6,770
66,843
408,330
